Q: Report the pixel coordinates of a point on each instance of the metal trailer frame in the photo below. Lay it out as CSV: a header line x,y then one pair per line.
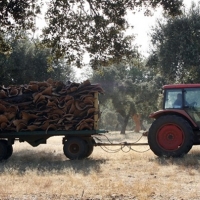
x,y
35,138
122,144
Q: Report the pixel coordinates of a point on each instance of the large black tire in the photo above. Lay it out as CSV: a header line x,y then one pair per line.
x,y
9,149
3,150
75,148
170,136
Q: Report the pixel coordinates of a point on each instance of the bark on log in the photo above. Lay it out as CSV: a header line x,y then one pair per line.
x,y
48,105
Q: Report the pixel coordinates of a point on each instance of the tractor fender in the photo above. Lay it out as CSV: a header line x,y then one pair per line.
x,y
182,113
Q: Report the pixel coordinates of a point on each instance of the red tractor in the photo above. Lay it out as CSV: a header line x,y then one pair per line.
x,y
177,126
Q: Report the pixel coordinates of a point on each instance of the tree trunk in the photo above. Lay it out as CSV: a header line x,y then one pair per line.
x,y
142,125
137,121
123,130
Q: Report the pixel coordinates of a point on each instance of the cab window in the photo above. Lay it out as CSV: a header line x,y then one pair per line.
x,y
173,98
192,95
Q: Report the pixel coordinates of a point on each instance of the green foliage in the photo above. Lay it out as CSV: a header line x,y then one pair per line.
x,y
78,26
130,89
109,119
177,47
27,62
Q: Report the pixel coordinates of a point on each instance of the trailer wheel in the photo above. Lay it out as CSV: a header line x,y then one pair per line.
x,y
75,148
9,149
3,150
90,146
170,136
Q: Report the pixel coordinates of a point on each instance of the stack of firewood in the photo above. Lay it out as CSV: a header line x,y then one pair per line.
x,y
48,105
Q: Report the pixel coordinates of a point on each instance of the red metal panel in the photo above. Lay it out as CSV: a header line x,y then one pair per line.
x,y
181,86
172,111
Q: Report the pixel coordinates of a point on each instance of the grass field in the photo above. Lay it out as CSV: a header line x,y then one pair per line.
x,y
45,173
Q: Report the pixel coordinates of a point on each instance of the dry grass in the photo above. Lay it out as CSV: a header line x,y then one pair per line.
x,y
45,173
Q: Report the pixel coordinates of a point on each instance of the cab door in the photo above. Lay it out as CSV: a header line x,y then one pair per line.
x,y
192,105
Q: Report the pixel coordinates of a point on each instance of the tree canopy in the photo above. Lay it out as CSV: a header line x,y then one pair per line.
x,y
27,62
177,48
75,27
130,90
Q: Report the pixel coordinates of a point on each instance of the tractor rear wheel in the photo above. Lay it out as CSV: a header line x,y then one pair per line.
x,y
170,136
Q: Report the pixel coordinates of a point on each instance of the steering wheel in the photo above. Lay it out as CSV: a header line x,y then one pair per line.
x,y
192,105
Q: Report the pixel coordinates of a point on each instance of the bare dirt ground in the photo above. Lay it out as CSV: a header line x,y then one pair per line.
x,y
45,173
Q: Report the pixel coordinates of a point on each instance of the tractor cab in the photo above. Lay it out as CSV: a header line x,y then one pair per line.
x,y
185,97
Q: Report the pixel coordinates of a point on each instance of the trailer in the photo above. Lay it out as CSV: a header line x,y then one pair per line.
x,y
36,111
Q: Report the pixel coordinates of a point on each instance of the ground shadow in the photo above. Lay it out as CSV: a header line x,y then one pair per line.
x,y
191,160
44,162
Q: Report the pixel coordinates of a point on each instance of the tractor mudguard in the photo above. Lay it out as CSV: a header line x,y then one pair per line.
x,y
179,112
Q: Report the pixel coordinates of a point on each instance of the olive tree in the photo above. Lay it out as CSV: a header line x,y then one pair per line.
x,y
176,50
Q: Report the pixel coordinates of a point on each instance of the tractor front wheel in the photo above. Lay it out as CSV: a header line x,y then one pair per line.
x,y
170,136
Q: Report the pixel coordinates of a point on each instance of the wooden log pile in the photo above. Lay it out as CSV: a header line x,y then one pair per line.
x,y
48,105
